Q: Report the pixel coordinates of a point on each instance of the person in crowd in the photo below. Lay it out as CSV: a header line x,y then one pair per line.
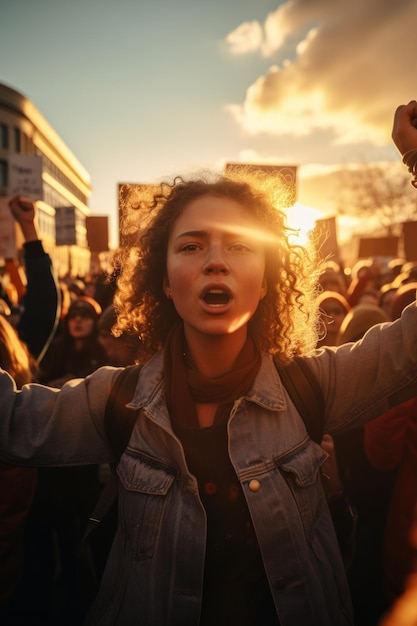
x,y
408,274
390,444
403,611
369,296
395,267
77,352
367,490
76,287
358,320
403,296
17,486
386,297
367,277
40,305
102,288
333,307
65,496
332,278
120,350
222,512
22,343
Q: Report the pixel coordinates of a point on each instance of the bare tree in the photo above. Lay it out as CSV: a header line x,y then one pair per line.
x,y
378,191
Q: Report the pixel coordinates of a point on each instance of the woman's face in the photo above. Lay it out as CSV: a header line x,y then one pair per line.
x,y
336,313
80,326
215,267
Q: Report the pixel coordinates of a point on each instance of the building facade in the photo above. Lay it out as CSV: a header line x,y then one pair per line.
x,y
65,182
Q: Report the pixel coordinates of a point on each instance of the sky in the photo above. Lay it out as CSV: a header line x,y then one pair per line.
x,y
142,90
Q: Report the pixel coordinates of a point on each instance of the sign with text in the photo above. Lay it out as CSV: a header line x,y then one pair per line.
x,y
65,232
25,176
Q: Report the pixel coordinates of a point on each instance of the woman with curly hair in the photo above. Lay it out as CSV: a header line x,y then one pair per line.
x,y
222,513
282,316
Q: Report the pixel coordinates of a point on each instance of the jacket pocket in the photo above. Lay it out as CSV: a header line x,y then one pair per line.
x,y
145,484
302,473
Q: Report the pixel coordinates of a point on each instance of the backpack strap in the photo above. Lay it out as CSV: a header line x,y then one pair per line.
x,y
118,418
306,394
118,422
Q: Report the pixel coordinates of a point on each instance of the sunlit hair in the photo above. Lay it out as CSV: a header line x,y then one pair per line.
x,y
14,356
285,321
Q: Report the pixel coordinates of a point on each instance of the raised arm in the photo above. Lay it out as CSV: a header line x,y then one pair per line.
x,y
404,135
41,301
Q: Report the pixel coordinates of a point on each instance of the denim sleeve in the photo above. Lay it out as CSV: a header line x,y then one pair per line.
x,y
362,380
43,426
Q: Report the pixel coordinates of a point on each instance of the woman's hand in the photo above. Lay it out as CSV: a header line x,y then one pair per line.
x,y
23,211
404,132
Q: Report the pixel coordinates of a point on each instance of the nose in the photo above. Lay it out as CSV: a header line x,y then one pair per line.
x,y
215,262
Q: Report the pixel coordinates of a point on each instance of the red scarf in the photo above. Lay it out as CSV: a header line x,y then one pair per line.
x,y
185,386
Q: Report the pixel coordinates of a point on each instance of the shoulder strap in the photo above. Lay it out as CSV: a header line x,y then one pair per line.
x,y
118,422
119,419
306,394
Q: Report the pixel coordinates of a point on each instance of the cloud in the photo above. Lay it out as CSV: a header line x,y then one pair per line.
x,y
340,66
245,38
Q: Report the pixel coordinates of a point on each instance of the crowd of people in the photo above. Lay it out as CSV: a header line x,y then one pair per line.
x,y
228,512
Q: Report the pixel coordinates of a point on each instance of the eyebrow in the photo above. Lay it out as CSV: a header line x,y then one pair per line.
x,y
192,233
233,231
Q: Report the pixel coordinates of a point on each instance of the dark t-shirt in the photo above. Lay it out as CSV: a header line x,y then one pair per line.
x,y
236,589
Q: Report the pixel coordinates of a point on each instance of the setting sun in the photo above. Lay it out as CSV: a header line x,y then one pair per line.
x,y
302,219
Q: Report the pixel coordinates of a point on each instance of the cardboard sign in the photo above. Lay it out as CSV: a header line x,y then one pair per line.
x,y
326,233
65,232
97,232
130,219
378,247
25,176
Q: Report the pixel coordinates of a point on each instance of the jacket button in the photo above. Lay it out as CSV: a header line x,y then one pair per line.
x,y
254,485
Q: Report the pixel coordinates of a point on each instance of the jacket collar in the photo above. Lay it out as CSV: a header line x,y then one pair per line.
x,y
266,390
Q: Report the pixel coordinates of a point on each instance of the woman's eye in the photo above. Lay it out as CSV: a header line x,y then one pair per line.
x,y
240,247
189,247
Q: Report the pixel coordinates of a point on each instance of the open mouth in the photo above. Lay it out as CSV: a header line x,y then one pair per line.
x,y
216,297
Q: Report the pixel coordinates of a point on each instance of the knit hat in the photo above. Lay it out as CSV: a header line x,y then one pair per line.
x,y
404,296
328,295
360,319
85,306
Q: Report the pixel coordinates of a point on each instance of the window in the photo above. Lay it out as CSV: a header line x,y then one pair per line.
x,y
17,141
3,174
4,136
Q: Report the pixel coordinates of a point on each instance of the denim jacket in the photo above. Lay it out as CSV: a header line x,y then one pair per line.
x,y
154,575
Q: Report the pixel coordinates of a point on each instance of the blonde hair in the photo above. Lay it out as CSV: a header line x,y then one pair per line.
x,y
14,355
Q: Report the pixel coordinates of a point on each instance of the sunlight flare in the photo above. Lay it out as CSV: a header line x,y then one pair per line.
x,y
302,219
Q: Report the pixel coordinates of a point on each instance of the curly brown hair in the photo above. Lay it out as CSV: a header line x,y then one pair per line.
x,y
285,322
